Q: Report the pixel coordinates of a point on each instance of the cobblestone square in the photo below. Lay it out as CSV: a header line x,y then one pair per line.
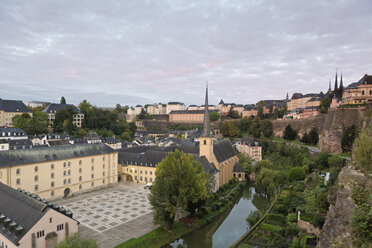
x,y
112,215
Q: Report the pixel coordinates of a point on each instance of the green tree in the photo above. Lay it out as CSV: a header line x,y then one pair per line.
x,y
324,105
180,182
76,241
214,116
289,133
254,217
348,138
63,120
21,121
296,174
266,181
63,100
37,124
362,149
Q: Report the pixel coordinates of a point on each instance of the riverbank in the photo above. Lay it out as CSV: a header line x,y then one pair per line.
x,y
217,204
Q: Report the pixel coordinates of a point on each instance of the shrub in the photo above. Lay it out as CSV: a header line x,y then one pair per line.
x,y
318,220
292,217
362,149
296,174
254,217
281,208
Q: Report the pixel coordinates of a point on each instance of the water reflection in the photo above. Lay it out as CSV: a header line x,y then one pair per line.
x,y
226,229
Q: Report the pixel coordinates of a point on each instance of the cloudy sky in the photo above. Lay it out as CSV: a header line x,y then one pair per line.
x,y
137,52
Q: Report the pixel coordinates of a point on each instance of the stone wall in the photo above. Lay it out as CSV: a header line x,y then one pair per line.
x,y
308,227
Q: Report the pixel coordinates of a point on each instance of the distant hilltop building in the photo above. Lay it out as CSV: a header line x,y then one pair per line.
x,y
35,104
52,109
9,109
359,92
171,106
157,109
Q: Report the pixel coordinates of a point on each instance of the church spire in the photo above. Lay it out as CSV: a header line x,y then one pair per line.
x,y
330,88
341,88
336,86
206,128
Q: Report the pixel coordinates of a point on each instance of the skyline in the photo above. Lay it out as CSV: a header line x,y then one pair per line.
x,y
144,52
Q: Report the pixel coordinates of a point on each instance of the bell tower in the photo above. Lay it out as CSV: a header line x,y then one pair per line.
x,y
206,141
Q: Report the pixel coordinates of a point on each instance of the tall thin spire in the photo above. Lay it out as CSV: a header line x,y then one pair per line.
x,y
330,88
206,128
341,88
336,86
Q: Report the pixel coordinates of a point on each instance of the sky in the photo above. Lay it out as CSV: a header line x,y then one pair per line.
x,y
141,52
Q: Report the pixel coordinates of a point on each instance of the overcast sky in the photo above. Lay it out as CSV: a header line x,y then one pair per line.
x,y
139,52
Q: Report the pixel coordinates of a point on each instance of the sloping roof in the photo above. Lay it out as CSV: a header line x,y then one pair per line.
x,y
351,86
208,167
366,79
58,142
223,150
13,132
54,107
237,167
250,141
13,106
20,143
221,102
21,208
176,103
92,136
43,154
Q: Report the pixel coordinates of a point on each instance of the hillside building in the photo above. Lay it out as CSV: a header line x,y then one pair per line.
x,y
175,106
359,92
52,109
9,109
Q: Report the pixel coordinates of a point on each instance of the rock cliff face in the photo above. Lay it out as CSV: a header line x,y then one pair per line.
x,y
330,127
336,231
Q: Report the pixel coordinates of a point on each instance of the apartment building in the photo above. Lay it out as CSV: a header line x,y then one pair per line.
x,y
9,109
52,109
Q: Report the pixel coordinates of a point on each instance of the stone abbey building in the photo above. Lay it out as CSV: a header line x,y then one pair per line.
x,y
218,157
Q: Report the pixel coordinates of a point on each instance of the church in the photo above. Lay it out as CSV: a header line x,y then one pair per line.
x,y
218,157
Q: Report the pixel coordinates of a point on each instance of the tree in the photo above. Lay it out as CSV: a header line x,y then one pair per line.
x,y
254,217
296,174
77,241
180,183
362,149
266,181
63,120
311,138
37,124
348,138
214,116
63,100
324,105
289,133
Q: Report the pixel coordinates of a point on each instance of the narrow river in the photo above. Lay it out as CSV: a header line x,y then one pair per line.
x,y
226,229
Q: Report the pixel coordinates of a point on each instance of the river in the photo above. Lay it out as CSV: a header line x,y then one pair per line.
x,y
223,231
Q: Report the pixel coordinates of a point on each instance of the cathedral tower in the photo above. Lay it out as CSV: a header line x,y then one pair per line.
x,y
206,141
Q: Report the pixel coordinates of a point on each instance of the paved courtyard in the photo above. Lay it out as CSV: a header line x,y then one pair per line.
x,y
112,215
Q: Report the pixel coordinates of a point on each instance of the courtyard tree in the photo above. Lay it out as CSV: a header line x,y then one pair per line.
x,y
180,184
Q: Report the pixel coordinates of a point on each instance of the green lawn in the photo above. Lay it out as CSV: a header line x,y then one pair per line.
x,y
157,237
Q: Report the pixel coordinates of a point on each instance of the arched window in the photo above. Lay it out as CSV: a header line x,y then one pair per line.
x,y
80,179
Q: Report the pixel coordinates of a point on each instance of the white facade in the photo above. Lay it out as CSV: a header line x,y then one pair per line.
x,y
175,106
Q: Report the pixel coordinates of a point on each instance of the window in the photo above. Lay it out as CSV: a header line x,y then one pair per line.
x,y
69,180
64,164
50,220
36,187
36,169
69,164
52,194
92,160
40,234
64,181
363,92
69,172
52,166
64,173
103,158
80,162
140,172
92,183
92,168
145,179
80,186
150,172
205,142
140,178
18,181
145,172
36,178
150,179
92,176
52,175
103,166
103,181
103,174
80,170
60,227
80,179
135,177
52,184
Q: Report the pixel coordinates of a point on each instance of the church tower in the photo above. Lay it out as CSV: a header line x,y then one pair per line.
x,y
335,91
341,88
206,141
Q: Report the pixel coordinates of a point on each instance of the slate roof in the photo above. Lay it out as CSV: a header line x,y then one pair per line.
x,y
208,167
176,103
110,140
366,79
24,209
13,106
314,99
221,102
20,144
14,132
54,107
92,136
351,86
250,141
237,168
223,150
43,154
58,142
